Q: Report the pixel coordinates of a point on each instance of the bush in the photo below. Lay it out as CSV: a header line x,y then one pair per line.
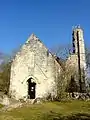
x,y
5,77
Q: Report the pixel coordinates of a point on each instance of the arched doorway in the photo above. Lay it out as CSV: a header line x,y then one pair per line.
x,y
31,88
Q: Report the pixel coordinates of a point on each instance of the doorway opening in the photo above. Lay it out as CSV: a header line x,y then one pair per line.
x,y
31,88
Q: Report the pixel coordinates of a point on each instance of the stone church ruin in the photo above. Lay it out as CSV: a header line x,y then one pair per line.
x,y
35,70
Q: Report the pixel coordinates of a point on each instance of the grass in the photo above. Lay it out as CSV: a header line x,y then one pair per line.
x,y
75,110
1,106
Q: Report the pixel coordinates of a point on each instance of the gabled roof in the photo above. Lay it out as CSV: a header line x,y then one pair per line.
x,y
60,61
32,36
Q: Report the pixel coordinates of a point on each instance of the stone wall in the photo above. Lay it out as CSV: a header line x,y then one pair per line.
x,y
72,66
33,60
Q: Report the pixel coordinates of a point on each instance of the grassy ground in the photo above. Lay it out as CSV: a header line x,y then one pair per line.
x,y
75,110
1,106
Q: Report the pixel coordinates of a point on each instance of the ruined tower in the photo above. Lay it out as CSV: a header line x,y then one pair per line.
x,y
79,50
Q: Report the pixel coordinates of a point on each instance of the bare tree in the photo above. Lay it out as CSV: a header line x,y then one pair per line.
x,y
62,51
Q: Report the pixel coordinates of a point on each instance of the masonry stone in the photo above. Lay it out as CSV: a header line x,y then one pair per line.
x,y
35,62
77,59
35,70
79,46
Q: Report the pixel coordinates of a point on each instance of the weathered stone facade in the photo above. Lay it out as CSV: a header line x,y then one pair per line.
x,y
79,46
77,60
34,63
35,71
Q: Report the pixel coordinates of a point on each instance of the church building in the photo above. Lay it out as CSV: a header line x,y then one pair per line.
x,y
35,70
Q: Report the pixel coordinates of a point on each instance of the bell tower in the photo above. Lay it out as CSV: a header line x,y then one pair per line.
x,y
79,50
